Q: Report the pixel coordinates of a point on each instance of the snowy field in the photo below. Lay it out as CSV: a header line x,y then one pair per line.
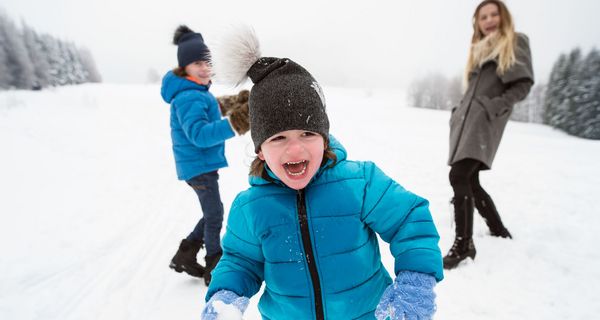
x,y
91,210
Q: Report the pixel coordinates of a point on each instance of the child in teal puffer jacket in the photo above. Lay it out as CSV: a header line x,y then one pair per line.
x,y
308,224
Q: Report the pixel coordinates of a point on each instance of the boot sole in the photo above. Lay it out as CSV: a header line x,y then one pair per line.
x,y
180,269
455,265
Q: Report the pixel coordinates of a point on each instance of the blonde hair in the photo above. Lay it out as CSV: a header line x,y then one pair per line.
x,y
503,43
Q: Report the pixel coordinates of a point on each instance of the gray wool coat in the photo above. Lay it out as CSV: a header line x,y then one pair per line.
x,y
477,124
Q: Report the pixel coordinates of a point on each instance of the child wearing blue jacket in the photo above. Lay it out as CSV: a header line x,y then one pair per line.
x,y
198,133
307,227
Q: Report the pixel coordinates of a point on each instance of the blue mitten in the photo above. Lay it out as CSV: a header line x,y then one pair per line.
x,y
410,297
226,304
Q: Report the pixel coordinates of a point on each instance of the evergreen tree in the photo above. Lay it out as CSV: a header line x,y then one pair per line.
x,y
566,109
37,56
74,70
17,57
89,65
573,95
561,90
49,46
553,98
588,103
29,60
435,91
6,77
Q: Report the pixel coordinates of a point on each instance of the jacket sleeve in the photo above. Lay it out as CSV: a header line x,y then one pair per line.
x,y
518,81
403,220
240,269
502,104
523,67
192,114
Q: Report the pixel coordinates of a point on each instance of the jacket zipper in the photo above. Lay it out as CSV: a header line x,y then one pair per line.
x,y
310,257
462,127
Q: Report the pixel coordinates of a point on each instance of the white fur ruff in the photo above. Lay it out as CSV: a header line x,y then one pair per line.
x,y
235,54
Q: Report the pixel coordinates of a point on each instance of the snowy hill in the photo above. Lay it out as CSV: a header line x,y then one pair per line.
x,y
92,211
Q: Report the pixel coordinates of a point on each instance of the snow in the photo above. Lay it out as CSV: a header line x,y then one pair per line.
x,y
92,211
227,311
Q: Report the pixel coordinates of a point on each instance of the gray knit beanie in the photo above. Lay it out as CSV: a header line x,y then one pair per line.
x,y
284,97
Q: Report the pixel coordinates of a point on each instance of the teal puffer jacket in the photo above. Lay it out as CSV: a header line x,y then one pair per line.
x,y
317,250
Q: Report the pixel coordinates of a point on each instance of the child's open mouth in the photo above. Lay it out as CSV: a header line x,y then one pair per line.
x,y
295,168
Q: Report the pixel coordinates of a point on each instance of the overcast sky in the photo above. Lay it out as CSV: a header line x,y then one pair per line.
x,y
344,43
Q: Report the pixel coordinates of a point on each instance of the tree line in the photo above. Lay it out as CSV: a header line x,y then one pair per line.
x,y
32,60
569,101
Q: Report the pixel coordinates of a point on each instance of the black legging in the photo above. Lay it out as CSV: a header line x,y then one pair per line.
x,y
464,178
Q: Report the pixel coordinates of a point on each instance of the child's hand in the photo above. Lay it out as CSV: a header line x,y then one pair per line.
x,y
410,297
225,305
239,119
231,102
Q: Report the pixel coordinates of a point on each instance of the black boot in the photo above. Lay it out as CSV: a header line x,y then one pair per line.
x,y
185,258
488,211
211,263
463,246
461,249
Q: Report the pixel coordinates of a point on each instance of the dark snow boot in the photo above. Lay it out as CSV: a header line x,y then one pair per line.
x,y
488,211
185,258
211,263
461,249
463,246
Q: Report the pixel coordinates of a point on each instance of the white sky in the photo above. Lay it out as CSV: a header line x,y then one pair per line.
x,y
344,43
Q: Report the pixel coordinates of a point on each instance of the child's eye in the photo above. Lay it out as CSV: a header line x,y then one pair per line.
x,y
308,133
277,138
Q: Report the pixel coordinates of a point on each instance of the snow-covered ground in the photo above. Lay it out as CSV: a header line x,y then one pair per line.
x,y
91,210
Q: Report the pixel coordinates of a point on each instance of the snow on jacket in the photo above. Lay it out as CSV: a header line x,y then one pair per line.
x,y
317,249
198,132
477,124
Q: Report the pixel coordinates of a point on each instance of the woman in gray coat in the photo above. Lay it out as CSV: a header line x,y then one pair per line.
x,y
498,74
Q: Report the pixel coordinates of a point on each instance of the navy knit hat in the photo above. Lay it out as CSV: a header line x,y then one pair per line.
x,y
190,46
284,97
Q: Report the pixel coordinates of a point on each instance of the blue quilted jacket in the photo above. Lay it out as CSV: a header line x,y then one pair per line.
x,y
316,249
198,132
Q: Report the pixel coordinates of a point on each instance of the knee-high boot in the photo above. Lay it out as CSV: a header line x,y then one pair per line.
x,y
463,246
488,211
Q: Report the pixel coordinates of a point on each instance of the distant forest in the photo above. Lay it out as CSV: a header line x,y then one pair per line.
x,y
569,100
32,60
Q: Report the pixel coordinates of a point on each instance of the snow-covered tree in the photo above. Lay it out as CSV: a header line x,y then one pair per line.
x,y
435,91
37,56
29,60
531,109
6,77
89,65
587,110
555,84
573,99
52,51
17,58
568,92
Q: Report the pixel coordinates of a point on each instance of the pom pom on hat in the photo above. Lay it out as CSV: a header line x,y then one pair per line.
x,y
235,54
285,96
